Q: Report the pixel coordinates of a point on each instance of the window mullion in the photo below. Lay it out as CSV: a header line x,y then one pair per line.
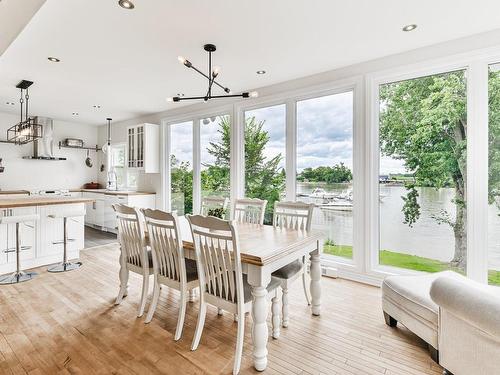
x,y
196,167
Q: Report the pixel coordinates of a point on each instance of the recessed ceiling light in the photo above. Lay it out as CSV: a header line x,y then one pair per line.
x,y
75,113
97,106
410,27
10,103
53,59
180,95
126,4
261,72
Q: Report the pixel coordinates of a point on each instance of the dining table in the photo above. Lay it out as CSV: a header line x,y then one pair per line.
x,y
263,250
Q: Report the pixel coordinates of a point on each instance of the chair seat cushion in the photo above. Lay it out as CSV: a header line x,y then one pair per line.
x,y
191,270
289,270
247,288
412,294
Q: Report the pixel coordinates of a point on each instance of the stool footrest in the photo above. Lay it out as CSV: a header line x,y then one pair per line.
x,y
13,249
17,277
59,242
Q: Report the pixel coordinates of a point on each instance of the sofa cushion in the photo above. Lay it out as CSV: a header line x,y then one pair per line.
x,y
412,294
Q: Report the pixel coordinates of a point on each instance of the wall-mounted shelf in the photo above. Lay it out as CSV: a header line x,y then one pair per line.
x,y
96,148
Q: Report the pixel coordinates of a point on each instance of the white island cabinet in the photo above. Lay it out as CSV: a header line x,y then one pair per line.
x,y
43,236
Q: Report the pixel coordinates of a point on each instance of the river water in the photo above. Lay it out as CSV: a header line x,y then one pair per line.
x,y
426,238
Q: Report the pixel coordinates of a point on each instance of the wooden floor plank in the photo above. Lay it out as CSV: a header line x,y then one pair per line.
x,y
68,324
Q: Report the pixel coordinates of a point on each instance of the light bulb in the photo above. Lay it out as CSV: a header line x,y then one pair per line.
x,y
181,59
254,94
215,71
170,99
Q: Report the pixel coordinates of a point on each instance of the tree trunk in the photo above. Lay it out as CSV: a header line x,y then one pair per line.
x,y
460,231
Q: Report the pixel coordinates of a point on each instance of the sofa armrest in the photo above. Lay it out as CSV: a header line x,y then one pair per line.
x,y
475,303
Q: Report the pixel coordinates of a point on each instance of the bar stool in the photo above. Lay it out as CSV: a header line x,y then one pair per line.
x,y
18,276
65,265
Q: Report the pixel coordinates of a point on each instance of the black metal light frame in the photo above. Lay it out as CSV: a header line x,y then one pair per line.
x,y
211,76
27,130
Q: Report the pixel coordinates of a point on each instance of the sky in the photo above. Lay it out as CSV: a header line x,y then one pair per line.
x,y
324,134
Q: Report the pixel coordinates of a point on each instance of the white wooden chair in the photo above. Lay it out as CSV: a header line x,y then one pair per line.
x,y
250,210
297,216
170,266
134,254
212,203
222,283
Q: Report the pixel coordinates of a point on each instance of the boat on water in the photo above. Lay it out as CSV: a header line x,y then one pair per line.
x,y
337,205
322,194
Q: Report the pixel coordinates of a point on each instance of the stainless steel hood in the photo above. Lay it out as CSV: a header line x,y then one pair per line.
x,y
43,147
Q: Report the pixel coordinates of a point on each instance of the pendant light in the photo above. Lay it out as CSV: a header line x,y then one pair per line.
x,y
26,130
106,146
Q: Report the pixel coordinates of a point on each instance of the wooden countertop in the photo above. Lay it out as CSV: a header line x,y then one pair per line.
x,y
40,201
111,192
10,192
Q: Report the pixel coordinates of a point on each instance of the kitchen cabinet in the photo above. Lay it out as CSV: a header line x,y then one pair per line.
x,y
27,236
143,148
95,209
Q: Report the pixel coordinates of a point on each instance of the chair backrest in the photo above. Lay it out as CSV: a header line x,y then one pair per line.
x,y
293,215
211,203
166,244
249,210
218,257
131,235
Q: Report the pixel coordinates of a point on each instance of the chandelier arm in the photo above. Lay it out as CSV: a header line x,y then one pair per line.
x,y
243,95
204,75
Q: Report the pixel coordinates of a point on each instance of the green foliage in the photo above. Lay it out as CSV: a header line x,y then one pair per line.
x,y
181,185
217,212
339,173
411,208
264,178
494,138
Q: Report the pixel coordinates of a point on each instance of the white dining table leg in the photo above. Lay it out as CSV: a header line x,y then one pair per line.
x,y
259,278
316,281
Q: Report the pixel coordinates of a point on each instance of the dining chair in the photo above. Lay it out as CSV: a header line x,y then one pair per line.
x,y
222,282
249,210
135,256
296,216
213,203
170,266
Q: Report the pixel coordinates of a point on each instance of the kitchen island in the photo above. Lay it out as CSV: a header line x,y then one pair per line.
x,y
44,236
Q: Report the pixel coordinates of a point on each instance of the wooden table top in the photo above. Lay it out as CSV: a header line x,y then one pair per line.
x,y
40,201
260,244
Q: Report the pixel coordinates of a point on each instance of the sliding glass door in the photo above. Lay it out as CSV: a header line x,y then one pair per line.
x,y
423,173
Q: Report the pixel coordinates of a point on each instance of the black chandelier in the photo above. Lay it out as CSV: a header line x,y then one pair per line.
x,y
211,76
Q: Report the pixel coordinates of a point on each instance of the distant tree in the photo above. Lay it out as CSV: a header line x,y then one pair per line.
x,y
181,177
339,173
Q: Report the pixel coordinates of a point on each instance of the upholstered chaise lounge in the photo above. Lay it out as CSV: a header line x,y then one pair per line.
x,y
407,300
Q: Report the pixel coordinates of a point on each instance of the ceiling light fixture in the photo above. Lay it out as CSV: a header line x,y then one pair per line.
x,y
27,129
126,4
261,72
53,59
212,74
410,27
105,148
10,103
96,106
75,113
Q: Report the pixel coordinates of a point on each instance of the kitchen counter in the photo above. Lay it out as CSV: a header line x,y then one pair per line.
x,y
40,201
112,192
12,192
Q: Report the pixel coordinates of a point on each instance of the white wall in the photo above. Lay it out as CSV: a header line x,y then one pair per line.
x,y
153,182
44,174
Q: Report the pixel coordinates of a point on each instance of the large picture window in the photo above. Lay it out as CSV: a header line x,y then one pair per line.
x,y
325,167
265,155
423,177
494,176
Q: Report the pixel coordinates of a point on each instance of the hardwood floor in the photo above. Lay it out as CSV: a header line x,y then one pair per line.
x,y
67,324
95,237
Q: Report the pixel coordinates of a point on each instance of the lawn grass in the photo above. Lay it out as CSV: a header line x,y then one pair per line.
x,y
400,260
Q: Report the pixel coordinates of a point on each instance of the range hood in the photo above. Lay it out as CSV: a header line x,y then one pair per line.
x,y
43,147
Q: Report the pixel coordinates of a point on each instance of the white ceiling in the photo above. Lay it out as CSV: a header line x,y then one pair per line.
x,y
126,60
